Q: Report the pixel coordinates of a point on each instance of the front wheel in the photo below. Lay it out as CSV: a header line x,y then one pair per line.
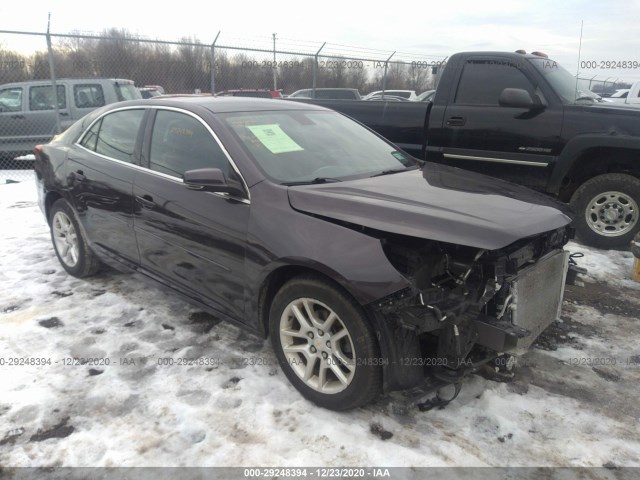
x,y
325,344
606,206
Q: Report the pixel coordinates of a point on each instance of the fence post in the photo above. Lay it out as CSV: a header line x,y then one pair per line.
x,y
315,70
384,79
213,64
52,72
275,67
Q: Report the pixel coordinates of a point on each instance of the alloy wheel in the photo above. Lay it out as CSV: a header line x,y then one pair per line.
x,y
65,239
317,345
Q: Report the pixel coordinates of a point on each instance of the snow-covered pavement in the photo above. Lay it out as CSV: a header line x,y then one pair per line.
x,y
569,404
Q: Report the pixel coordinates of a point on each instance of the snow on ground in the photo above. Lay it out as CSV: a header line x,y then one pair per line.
x,y
569,404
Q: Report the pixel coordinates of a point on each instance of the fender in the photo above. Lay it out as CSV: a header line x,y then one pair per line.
x,y
577,146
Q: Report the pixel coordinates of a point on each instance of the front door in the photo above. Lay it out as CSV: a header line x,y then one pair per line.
x,y
512,143
190,239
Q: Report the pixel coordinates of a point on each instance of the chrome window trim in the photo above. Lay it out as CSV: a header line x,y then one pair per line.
x,y
498,160
170,177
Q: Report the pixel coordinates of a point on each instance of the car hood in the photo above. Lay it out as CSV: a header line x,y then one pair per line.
x,y
438,203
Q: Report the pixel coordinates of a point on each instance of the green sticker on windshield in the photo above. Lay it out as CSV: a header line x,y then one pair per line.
x,y
399,155
274,138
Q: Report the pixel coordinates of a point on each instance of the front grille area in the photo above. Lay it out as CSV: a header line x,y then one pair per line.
x,y
537,296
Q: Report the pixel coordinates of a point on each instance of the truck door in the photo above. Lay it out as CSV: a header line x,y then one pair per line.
x,y
512,143
11,122
40,116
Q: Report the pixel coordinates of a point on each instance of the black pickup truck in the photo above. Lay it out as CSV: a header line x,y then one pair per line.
x,y
524,118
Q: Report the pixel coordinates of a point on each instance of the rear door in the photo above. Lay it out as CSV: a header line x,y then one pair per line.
x,y
100,170
513,143
192,240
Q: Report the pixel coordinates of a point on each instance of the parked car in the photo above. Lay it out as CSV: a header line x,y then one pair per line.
x,y
408,94
386,98
521,118
426,96
329,93
151,91
27,115
628,96
257,93
619,95
367,271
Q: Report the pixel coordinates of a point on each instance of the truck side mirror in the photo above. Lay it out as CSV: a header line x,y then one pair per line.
x,y
518,98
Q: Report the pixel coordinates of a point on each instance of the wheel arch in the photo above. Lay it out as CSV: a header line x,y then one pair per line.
x,y
51,198
277,277
586,157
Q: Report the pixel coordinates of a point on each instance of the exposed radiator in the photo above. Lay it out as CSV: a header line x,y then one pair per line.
x,y
537,296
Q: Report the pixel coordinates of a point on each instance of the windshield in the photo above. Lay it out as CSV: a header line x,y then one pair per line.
x,y
563,83
300,146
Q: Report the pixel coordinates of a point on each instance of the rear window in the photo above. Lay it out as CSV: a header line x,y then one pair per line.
x,y
88,96
115,135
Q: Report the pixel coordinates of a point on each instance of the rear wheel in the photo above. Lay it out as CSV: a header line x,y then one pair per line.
x,y
71,247
324,344
607,213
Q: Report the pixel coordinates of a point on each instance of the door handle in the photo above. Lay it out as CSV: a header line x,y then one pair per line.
x,y
18,117
456,121
78,175
146,201
63,113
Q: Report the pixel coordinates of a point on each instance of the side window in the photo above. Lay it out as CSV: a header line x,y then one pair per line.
x,y
11,99
117,134
483,80
41,98
89,139
88,96
179,143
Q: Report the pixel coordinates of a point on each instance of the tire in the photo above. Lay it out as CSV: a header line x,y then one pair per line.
x,y
69,243
345,370
607,214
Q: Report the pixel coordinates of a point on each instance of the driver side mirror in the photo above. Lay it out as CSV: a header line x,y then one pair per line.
x,y
518,98
212,180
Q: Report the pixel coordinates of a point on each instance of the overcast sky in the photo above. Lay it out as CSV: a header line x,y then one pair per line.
x,y
433,29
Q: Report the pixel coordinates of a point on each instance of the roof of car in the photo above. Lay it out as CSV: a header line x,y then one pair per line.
x,y
227,104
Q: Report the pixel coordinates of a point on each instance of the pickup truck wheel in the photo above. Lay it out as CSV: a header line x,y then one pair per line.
x,y
324,344
71,247
607,214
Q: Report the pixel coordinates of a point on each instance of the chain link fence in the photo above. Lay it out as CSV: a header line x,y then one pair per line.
x,y
91,70
603,86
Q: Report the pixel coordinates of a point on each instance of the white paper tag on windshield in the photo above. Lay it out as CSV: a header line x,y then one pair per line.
x,y
274,138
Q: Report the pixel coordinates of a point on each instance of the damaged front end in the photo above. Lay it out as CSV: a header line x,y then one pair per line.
x,y
466,306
